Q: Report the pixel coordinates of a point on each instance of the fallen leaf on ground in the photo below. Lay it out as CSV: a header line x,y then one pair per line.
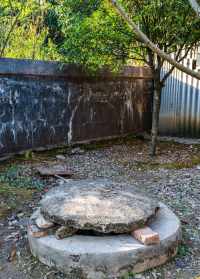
x,y
12,255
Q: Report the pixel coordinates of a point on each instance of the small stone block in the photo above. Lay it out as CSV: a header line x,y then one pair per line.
x,y
54,169
146,236
42,223
64,232
36,232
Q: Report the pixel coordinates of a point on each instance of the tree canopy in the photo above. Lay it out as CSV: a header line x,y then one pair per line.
x,y
23,30
94,35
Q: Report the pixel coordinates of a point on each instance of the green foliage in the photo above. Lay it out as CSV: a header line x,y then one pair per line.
x,y
89,32
15,177
23,32
183,250
168,23
95,36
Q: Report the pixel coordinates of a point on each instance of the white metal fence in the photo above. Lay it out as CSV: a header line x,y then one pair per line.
x,y
180,102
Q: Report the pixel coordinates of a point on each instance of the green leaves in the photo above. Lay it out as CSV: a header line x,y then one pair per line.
x,y
90,33
95,36
23,32
15,177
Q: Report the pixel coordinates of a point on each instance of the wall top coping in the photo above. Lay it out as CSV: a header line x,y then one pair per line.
x,y
27,67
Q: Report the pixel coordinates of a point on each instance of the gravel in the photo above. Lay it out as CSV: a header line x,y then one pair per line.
x,y
163,178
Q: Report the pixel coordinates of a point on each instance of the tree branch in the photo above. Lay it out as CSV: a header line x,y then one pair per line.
x,y
143,38
179,60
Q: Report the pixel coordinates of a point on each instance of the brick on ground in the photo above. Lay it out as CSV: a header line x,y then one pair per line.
x,y
146,236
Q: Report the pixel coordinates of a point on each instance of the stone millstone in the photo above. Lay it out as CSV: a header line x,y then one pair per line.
x,y
99,205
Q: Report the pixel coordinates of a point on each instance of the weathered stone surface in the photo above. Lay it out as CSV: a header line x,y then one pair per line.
x,y
110,257
64,232
98,205
54,169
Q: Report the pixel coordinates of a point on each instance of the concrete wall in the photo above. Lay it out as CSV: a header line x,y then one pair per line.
x,y
45,104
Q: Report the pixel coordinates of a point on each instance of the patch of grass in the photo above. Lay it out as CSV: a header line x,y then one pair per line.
x,y
129,275
52,152
11,198
183,250
129,139
16,187
194,161
14,177
6,190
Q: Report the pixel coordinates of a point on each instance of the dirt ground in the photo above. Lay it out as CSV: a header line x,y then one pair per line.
x,y
172,177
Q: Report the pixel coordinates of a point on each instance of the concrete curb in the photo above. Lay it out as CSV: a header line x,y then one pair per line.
x,y
109,257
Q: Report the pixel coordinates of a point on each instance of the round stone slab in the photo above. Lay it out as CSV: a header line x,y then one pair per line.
x,y
99,205
97,257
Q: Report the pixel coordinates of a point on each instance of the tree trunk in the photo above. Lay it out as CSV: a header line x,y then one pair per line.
x,y
155,114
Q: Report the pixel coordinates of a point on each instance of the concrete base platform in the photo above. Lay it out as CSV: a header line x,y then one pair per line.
x,y
109,257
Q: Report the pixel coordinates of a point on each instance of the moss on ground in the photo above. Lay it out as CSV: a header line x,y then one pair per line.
x,y
128,140
12,198
186,164
16,187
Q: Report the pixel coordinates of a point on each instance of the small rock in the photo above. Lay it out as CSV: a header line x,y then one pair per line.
x,y
64,232
19,215
42,223
13,223
77,151
180,263
14,235
138,276
53,170
36,232
60,157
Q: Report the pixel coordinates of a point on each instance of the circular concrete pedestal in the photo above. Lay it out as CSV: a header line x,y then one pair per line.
x,y
109,257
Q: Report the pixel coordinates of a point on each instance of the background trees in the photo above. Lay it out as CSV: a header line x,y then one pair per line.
x,y
23,30
95,36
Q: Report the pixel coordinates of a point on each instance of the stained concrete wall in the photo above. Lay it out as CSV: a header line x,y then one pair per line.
x,y
45,104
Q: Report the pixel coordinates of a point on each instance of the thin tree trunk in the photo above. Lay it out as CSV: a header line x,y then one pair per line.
x,y
155,115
